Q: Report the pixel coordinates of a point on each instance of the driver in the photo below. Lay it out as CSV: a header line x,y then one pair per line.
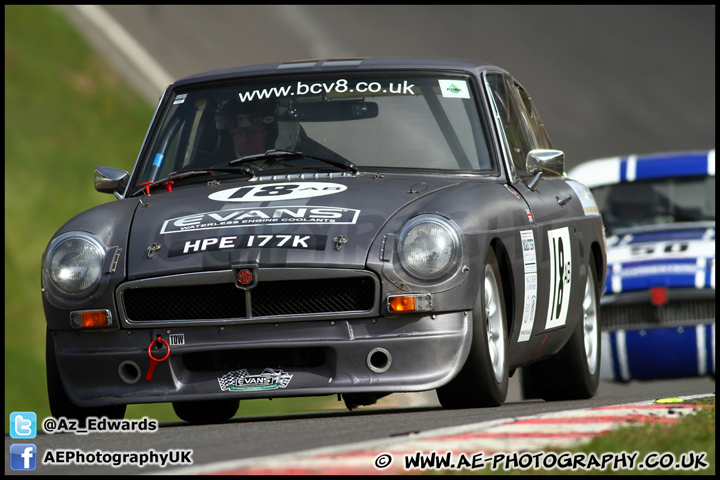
x,y
252,127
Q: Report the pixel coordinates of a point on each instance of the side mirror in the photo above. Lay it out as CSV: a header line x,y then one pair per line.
x,y
551,162
111,180
539,161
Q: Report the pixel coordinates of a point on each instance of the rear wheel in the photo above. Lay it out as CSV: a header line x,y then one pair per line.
x,y
574,372
207,411
483,380
60,403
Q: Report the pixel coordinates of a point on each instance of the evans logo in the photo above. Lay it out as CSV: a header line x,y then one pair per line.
x,y
248,217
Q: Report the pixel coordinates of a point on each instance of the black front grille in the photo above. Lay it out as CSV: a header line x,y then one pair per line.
x,y
224,300
678,311
186,302
312,296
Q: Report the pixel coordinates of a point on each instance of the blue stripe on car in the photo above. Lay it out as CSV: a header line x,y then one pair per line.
x,y
667,236
661,166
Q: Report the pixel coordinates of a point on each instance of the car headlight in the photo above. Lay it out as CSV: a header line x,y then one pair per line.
x,y
74,263
429,246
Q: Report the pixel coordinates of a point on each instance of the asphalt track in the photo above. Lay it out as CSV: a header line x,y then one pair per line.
x,y
606,80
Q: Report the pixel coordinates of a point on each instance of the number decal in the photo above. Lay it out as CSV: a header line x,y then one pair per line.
x,y
560,277
277,191
280,190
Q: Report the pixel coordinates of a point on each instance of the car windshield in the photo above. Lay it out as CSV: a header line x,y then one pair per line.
x,y
656,202
338,122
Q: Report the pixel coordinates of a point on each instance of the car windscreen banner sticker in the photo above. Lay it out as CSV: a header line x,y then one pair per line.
x,y
454,88
242,381
529,259
252,217
277,192
560,277
214,244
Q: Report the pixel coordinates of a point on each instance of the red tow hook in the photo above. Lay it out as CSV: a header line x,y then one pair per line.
x,y
154,361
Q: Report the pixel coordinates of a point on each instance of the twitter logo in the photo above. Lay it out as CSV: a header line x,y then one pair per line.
x,y
23,425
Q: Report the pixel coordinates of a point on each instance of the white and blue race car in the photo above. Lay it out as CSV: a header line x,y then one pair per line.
x,y
658,311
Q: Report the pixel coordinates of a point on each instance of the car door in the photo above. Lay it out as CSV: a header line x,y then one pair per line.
x,y
547,286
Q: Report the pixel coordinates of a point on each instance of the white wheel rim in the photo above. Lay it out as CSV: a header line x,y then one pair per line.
x,y
590,324
495,324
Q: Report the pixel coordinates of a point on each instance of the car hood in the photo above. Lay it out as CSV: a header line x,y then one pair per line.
x,y
674,256
300,223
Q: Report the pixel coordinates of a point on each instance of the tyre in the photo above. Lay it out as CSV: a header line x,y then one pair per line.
x,y
60,403
483,380
574,372
206,411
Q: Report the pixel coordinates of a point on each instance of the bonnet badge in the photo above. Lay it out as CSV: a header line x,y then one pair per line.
x,y
245,276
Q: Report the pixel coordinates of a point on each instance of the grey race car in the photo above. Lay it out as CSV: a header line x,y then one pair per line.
x,y
355,227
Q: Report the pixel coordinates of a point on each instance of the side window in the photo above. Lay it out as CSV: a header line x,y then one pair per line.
x,y
518,133
541,137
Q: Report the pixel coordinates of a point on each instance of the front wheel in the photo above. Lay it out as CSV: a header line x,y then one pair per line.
x,y
574,372
483,380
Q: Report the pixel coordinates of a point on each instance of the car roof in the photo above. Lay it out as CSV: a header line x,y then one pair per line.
x,y
612,170
341,64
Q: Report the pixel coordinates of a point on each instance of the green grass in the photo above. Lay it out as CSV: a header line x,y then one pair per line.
x,y
66,112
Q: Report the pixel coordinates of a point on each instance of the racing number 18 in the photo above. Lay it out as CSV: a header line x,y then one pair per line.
x,y
560,274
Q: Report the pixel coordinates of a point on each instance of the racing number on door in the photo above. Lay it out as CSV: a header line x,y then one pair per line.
x,y
560,276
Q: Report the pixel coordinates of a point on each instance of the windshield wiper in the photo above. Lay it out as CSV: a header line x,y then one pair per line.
x,y
182,174
277,155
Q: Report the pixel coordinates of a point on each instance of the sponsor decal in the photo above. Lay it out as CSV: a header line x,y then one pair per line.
x,y
180,99
529,215
242,381
251,217
454,88
586,198
560,277
530,260
277,191
339,86
230,242
675,273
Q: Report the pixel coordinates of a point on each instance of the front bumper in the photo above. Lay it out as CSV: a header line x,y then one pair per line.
x,y
322,357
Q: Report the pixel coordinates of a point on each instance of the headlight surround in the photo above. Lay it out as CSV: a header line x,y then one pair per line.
x,y
74,263
429,247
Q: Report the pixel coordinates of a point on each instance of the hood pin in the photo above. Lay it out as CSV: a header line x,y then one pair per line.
x,y
340,242
152,250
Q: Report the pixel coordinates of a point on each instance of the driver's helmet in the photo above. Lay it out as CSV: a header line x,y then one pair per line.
x,y
235,114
